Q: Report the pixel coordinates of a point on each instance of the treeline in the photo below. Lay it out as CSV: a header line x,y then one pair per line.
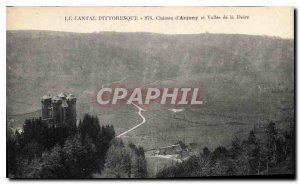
x,y
262,153
42,151
125,161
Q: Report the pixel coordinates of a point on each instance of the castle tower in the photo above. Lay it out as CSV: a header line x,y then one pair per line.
x,y
63,96
64,107
57,110
71,109
46,107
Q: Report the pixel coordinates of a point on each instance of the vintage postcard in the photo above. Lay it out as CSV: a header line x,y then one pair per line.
x,y
150,92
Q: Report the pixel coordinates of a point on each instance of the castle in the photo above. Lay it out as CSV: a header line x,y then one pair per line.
x,y
59,110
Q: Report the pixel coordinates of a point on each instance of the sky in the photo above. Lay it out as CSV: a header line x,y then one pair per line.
x,y
270,21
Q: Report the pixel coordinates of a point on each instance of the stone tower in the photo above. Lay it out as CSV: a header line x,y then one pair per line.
x,y
71,110
46,107
57,113
64,106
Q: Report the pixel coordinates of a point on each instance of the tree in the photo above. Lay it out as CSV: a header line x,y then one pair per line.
x,y
12,152
254,153
222,167
182,145
101,137
252,156
89,126
104,138
125,161
270,144
74,160
45,151
205,152
118,161
138,162
240,162
252,138
50,165
80,156
219,152
236,148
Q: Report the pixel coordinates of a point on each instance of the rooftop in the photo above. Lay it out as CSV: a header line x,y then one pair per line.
x,y
71,96
46,97
56,98
62,95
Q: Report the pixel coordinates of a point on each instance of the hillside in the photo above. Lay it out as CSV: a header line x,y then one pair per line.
x,y
246,79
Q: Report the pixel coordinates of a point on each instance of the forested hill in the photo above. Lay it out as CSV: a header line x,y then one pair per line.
x,y
40,62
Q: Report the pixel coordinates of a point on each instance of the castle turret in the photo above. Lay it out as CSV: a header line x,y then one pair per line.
x,y
57,110
71,110
64,106
63,96
46,107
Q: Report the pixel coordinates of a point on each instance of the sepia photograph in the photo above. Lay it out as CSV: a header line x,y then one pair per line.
x,y
150,92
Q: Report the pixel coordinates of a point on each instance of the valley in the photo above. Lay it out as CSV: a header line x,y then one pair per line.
x,y
246,81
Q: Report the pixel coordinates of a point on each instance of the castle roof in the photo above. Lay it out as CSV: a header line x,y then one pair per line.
x,y
56,98
46,97
62,95
71,96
